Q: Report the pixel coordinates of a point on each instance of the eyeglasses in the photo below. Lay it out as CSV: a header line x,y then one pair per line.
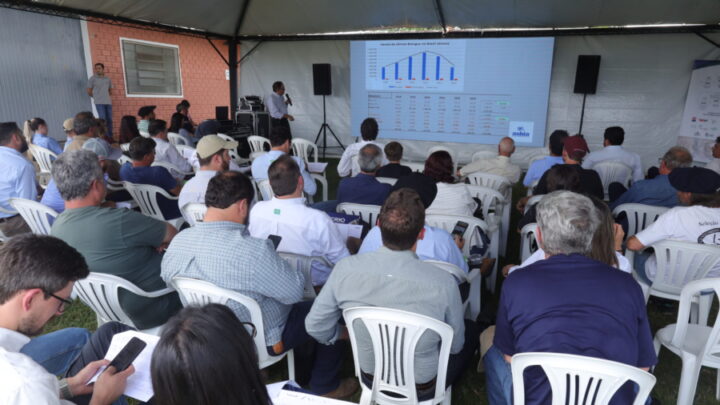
x,y
64,303
249,326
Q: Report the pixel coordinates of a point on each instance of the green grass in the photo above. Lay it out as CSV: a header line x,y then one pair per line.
x,y
470,390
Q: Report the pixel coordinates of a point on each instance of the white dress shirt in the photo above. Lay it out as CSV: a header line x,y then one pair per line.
x,y
500,166
615,153
452,199
349,166
304,230
24,382
194,190
261,164
166,152
276,106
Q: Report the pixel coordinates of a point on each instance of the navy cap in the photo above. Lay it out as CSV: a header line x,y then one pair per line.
x,y
422,184
695,180
146,110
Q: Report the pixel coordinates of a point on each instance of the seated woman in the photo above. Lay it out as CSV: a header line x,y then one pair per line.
x,y
206,357
179,125
128,129
559,177
452,198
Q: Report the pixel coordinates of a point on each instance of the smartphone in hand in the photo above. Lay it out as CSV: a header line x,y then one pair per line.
x,y
128,354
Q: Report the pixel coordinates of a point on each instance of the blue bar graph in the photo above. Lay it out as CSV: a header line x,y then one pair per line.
x,y
383,73
396,71
452,73
424,77
410,68
437,68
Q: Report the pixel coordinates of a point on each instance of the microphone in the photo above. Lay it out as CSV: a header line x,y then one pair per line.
x,y
287,98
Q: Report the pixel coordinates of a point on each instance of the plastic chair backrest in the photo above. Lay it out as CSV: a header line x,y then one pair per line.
x,y
532,201
174,170
483,154
639,216
233,152
579,379
113,185
387,180
528,243
194,212
611,172
456,271
367,212
303,148
176,139
144,134
447,222
265,189
395,334
489,180
257,143
303,264
680,262
43,157
472,303
491,200
145,195
125,147
36,215
688,296
124,159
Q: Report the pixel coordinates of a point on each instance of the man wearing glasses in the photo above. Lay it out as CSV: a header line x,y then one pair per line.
x,y
37,274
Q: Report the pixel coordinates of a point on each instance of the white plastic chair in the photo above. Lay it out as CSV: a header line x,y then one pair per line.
x,y
395,334
193,213
233,152
453,156
265,189
532,201
528,242
36,215
100,292
199,292
257,145
579,379
125,147
176,139
43,157
174,170
144,134
387,180
124,159
611,172
483,154
146,196
304,264
501,184
367,212
303,149
493,206
639,216
696,344
472,305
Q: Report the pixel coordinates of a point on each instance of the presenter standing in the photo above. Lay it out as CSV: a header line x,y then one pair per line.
x,y
99,87
277,106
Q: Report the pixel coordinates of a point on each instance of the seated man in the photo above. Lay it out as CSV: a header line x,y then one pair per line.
x,y
561,305
85,126
17,180
715,163
394,153
69,132
364,188
540,166
613,151
221,251
146,114
280,145
394,277
435,243
697,189
656,191
38,273
574,150
114,241
500,166
141,171
368,133
165,151
213,156
304,230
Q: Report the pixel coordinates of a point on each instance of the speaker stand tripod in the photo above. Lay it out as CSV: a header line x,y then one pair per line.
x,y
323,130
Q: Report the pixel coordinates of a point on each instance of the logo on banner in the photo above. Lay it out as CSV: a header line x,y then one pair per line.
x,y
521,131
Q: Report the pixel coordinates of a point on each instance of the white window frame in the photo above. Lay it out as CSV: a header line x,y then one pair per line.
x,y
140,41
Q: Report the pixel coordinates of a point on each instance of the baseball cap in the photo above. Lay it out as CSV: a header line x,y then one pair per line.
x,y
695,180
575,144
211,144
68,124
145,110
102,149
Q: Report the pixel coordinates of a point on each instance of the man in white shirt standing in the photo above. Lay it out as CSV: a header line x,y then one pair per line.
x,y
613,151
37,274
500,166
277,106
165,151
303,230
280,139
348,163
213,156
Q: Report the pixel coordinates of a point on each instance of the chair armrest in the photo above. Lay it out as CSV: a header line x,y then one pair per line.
x,y
152,294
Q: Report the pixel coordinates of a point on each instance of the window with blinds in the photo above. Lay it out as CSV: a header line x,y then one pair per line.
x,y
151,69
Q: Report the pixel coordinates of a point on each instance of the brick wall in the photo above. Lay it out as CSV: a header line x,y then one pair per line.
x,y
203,72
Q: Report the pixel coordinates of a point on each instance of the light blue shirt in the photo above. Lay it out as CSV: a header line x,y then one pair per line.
x,y
437,244
67,143
17,179
658,192
51,197
46,142
261,164
539,167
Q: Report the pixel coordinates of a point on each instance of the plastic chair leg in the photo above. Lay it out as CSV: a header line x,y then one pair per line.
x,y
291,364
688,380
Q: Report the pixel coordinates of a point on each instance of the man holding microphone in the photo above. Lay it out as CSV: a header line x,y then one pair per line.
x,y
277,106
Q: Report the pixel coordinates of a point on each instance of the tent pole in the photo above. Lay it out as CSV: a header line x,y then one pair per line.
x,y
582,113
232,57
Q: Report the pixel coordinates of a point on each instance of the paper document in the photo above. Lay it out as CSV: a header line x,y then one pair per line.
x,y
317,167
139,385
299,398
349,230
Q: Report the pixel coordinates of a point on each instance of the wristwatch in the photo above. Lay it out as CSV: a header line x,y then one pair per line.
x,y
65,392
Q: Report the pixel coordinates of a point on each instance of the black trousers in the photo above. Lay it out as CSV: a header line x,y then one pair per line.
x,y
282,122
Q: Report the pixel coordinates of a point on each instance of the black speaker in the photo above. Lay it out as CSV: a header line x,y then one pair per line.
x,y
222,113
586,75
322,82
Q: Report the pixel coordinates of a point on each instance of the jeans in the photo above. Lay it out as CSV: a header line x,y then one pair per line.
x,y
325,206
498,377
56,351
105,113
639,265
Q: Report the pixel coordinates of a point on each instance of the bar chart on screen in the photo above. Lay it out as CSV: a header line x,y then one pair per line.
x,y
435,66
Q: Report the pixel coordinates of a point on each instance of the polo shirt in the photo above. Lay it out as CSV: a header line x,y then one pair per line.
x,y
362,189
156,176
17,180
615,153
46,142
575,305
590,183
657,192
539,167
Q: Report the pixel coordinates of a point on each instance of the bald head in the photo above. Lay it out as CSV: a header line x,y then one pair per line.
x,y
506,147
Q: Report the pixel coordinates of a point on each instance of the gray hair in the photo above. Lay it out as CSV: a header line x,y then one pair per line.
x,y
370,158
74,171
677,156
567,222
